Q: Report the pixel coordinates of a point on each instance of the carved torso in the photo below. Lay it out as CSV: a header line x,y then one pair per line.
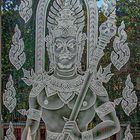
x,y
54,111
54,102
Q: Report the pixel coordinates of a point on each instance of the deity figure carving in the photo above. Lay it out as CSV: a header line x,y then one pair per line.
x,y
67,98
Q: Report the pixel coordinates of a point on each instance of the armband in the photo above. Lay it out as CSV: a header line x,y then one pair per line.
x,y
105,109
34,114
87,135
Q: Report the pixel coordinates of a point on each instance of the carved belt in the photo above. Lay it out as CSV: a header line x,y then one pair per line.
x,y
55,136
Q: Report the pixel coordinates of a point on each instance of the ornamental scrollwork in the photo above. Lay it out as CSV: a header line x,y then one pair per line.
x,y
121,53
16,54
108,7
130,99
25,10
9,98
10,133
104,74
128,134
29,77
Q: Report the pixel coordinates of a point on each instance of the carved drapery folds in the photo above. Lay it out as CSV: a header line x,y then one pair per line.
x,y
9,98
25,10
16,54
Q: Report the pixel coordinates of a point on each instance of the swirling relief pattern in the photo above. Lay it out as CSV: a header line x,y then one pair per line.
x,y
128,135
16,54
25,10
108,7
10,133
121,53
9,99
130,100
104,74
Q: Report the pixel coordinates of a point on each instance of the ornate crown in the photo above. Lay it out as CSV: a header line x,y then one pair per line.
x,y
66,21
65,24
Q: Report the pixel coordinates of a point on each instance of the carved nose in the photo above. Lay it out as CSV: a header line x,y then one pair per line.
x,y
65,49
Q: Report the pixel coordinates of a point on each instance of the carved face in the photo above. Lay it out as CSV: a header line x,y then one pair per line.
x,y
65,52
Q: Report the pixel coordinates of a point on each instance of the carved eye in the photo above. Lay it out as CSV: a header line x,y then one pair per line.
x,y
59,45
72,47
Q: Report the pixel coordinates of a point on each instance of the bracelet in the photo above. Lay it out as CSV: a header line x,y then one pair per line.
x,y
54,136
87,135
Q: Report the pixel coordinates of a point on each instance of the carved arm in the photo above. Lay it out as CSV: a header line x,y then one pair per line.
x,y
33,119
106,112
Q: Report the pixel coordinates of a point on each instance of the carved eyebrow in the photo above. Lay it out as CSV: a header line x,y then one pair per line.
x,y
58,40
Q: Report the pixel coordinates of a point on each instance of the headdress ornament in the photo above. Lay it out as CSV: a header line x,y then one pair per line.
x,y
66,19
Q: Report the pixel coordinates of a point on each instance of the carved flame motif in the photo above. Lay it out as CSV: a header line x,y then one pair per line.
x,y
129,101
9,99
29,77
16,53
128,135
104,74
36,80
121,53
25,9
10,133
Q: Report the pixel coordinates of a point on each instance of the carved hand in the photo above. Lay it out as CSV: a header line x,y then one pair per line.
x,y
72,129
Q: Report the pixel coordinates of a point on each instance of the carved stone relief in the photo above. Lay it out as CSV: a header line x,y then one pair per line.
x,y
128,135
67,98
9,99
121,53
130,99
10,133
25,10
16,53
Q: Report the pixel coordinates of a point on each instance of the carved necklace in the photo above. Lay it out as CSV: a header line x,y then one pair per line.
x,y
65,89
